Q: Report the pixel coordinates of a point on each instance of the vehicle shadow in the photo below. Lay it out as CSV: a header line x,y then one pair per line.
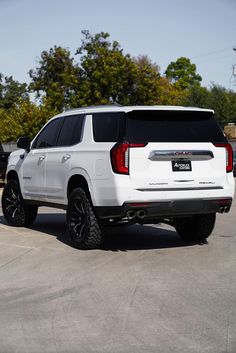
x,y
116,238
145,237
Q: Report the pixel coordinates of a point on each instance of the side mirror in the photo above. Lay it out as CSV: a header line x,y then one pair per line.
x,y
24,143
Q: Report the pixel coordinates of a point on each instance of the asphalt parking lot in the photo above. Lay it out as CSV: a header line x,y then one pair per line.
x,y
145,291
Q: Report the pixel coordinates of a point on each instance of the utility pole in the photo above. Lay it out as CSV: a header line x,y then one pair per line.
x,y
233,77
234,66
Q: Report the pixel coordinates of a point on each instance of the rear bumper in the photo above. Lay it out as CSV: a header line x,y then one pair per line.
x,y
165,209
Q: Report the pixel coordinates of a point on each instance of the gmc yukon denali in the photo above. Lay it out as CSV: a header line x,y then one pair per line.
x,y
112,164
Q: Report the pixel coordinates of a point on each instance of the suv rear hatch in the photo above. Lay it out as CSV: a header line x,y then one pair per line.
x,y
176,150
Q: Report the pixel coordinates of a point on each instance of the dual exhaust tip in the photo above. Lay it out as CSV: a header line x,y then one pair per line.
x,y
224,209
131,214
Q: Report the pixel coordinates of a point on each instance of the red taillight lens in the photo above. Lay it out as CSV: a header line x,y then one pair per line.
x,y
229,155
120,156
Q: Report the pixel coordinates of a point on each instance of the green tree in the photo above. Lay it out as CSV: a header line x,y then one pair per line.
x,y
11,92
170,94
182,73
56,77
25,118
110,76
107,75
218,98
197,96
104,75
151,88
223,101
147,82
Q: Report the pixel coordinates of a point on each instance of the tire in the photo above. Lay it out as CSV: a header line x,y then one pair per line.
x,y
16,212
82,223
197,228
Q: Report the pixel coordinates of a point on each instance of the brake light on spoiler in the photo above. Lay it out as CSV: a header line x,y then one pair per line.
x,y
229,155
120,156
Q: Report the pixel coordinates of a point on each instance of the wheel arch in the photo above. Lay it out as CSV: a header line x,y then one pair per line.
x,y
76,181
12,174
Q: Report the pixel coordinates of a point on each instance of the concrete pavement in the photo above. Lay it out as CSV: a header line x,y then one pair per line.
x,y
146,291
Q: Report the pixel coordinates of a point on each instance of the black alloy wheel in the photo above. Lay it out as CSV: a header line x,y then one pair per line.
x,y
82,223
16,212
78,220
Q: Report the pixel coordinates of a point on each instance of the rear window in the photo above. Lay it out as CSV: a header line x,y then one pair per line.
x,y
107,127
172,126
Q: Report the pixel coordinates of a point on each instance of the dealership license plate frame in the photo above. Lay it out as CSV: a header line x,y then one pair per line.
x,y
181,166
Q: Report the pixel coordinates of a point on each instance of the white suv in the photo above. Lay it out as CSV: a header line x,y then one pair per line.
x,y
114,164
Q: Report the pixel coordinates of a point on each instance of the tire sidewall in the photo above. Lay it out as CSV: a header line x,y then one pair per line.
x,y
198,228
18,221
79,194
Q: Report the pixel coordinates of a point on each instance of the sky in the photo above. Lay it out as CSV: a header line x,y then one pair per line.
x,y
164,30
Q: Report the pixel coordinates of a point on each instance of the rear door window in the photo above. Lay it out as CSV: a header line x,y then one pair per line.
x,y
172,126
71,131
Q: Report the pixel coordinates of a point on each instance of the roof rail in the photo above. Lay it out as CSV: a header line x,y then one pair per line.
x,y
95,106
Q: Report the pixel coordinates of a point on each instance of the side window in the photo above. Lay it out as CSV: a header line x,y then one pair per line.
x,y
48,136
71,130
107,127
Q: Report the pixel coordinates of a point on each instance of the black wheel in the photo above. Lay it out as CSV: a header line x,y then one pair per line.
x,y
16,212
81,221
196,228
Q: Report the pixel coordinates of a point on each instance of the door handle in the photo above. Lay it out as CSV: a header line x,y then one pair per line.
x,y
66,157
41,158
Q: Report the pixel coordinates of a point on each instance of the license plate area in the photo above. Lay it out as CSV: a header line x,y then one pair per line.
x,y
181,166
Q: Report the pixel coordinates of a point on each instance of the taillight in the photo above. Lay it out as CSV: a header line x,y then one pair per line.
x,y
120,156
229,155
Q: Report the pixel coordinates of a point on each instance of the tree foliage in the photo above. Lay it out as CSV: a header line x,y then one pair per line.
x,y
218,98
56,77
11,92
183,73
107,75
223,101
147,82
24,119
104,75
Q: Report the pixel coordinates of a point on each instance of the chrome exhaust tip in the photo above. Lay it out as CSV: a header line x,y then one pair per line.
x,y
131,214
141,214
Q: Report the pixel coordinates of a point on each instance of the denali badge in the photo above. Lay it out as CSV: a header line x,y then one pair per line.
x,y
183,153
